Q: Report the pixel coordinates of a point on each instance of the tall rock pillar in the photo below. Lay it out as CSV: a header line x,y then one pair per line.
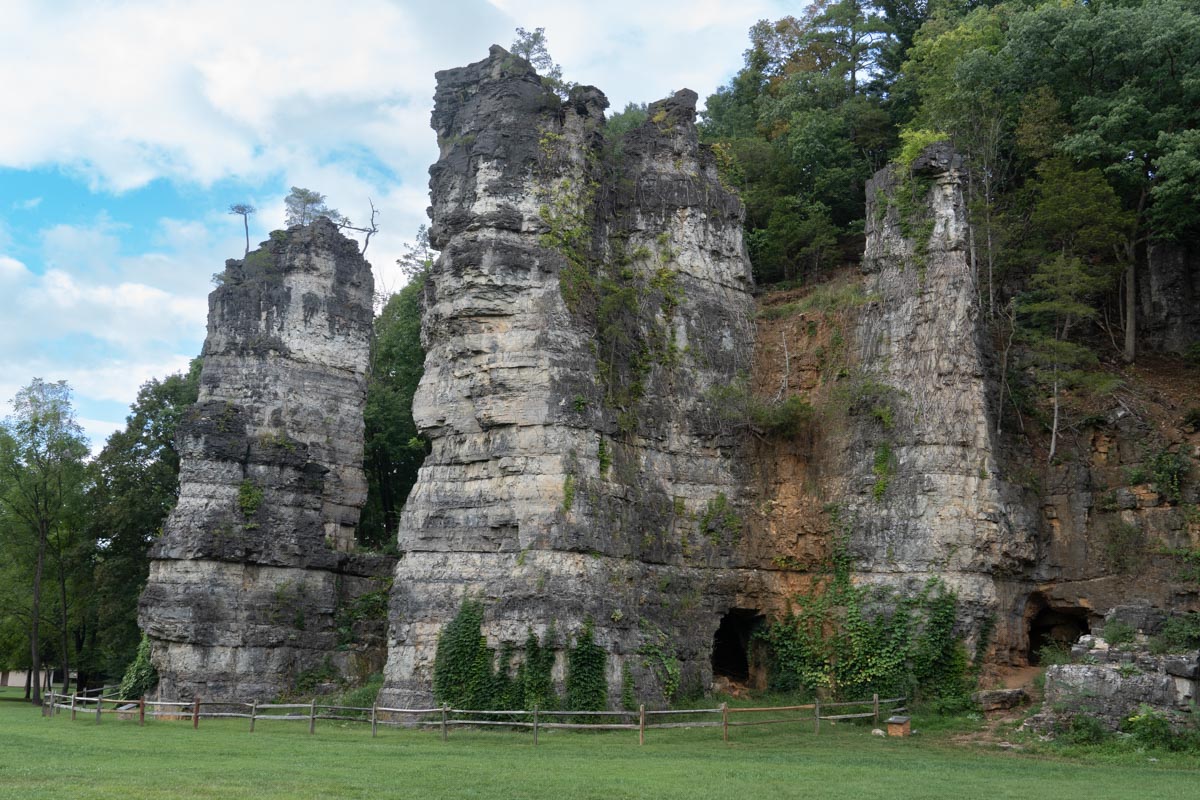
x,y
926,494
252,571
590,293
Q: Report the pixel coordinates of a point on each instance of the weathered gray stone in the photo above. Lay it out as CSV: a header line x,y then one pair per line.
x,y
1183,666
1141,617
1168,297
250,580
942,507
1000,699
1103,691
580,310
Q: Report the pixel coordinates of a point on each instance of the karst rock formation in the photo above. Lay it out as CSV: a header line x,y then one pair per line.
x,y
600,460
251,573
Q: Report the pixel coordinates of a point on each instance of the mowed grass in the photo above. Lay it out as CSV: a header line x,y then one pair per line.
x,y
58,758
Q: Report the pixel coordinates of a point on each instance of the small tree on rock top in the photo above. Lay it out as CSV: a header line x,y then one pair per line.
x,y
531,46
303,206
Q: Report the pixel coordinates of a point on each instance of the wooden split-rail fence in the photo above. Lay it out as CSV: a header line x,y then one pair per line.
x,y
445,717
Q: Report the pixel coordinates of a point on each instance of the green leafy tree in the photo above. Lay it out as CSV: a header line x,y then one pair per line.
x,y
1057,302
799,130
303,206
393,451
244,210
955,69
1075,228
533,47
851,35
42,454
1129,79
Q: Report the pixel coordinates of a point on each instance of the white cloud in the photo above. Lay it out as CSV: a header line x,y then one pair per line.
x,y
104,321
332,96
128,92
12,271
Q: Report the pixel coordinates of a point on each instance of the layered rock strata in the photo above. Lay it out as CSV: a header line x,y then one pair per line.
x,y
925,495
1114,681
251,580
588,329
590,294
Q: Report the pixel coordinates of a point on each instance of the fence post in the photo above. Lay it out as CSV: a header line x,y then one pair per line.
x,y
312,717
443,722
373,720
535,724
253,713
642,724
73,706
99,704
817,713
196,713
875,705
142,711
725,722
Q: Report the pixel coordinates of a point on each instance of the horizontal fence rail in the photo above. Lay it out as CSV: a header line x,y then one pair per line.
x,y
445,717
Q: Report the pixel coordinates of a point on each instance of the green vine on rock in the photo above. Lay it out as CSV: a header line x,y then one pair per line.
x,y
463,671
250,497
586,684
660,658
883,468
140,676
855,640
720,521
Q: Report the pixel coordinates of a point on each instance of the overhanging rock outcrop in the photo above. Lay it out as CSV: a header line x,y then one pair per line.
x,y
252,580
591,293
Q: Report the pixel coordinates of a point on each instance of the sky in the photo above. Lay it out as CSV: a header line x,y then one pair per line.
x,y
131,127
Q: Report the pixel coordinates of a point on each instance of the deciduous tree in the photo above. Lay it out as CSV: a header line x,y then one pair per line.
x,y
42,453
302,206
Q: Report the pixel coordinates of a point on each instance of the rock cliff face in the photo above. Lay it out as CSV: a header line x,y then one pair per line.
x,y
910,459
250,582
928,495
1168,292
590,294
589,329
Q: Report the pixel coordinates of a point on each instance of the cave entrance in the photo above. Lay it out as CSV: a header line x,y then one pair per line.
x,y
1058,625
731,643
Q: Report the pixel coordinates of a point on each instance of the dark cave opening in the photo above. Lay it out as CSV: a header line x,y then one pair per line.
x,y
1053,625
731,643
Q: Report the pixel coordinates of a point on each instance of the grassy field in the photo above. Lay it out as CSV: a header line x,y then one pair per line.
x,y
58,758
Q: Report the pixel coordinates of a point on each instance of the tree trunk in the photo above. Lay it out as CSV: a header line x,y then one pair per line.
x,y
246,223
35,632
66,651
1130,312
1054,426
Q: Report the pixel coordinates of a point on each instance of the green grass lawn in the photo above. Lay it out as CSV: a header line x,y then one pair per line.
x,y
58,758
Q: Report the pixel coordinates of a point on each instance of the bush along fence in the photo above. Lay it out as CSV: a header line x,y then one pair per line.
x,y
445,717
